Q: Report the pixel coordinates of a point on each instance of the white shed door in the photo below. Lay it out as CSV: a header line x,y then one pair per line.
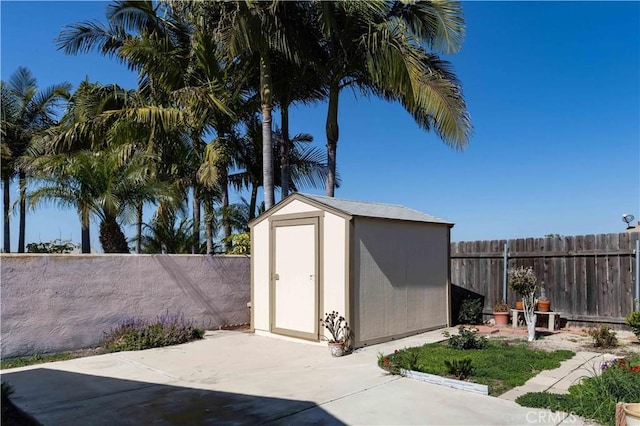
x,y
294,279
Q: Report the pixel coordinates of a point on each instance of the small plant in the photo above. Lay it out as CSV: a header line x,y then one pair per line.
x,y
466,339
501,306
459,368
633,320
406,359
135,334
470,311
603,337
337,326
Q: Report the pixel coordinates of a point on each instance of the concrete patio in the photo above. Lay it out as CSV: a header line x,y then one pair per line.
x,y
241,378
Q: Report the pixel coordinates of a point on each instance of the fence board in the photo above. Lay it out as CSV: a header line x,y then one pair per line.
x,y
584,276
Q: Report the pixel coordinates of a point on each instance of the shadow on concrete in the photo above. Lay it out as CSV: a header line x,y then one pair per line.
x,y
55,397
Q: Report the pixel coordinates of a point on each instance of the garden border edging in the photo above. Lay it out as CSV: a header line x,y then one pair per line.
x,y
444,381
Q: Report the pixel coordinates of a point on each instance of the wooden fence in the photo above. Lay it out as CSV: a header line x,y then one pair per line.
x,y
587,278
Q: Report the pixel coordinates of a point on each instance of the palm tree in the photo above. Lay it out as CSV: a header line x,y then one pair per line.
x,y
163,236
25,112
98,183
308,164
383,48
248,28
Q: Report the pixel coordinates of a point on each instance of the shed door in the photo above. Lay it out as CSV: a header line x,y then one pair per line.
x,y
294,278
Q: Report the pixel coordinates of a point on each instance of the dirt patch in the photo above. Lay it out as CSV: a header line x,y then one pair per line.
x,y
573,339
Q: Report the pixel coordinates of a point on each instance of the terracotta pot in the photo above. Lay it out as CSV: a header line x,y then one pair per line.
x,y
501,318
519,305
543,305
632,414
336,348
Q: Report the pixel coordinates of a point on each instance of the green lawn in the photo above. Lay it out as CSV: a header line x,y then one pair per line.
x,y
35,359
502,365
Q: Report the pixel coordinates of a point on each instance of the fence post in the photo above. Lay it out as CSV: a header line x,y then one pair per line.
x,y
636,303
504,271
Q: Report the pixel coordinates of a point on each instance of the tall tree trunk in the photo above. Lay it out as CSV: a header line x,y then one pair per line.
x,y
139,207
23,209
266,97
226,226
332,139
208,224
111,236
253,201
86,240
5,211
284,150
195,249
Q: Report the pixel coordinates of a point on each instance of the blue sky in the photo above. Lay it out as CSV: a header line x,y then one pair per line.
x,y
553,89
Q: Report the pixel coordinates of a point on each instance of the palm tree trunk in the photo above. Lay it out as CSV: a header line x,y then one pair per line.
x,y
5,211
332,139
139,227
195,249
208,226
226,226
23,209
253,201
266,97
284,151
86,240
112,238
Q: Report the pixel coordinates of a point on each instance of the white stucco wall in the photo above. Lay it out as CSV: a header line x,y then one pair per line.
x,y
63,302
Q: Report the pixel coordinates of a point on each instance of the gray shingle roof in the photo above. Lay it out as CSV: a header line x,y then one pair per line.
x,y
377,210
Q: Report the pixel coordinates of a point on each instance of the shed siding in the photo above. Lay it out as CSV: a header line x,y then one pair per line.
x,y
296,206
334,263
260,275
401,278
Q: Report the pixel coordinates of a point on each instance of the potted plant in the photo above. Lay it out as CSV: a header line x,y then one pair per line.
x,y
523,282
339,331
543,302
501,313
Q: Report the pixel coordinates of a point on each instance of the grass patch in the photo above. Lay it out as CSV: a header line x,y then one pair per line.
x,y
35,359
595,397
501,365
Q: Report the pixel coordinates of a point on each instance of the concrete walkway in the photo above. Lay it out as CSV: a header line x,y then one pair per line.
x,y
240,378
584,364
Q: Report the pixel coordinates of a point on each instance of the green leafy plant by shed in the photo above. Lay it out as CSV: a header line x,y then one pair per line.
x,y
465,339
470,311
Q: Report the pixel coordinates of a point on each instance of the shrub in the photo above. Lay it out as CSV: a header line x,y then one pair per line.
x,y
633,320
460,368
55,246
466,339
240,243
406,359
603,337
470,311
595,397
136,334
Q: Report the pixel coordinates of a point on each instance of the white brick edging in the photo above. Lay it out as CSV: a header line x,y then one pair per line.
x,y
444,381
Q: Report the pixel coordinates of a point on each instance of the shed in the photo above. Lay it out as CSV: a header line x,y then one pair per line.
x,y
384,267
